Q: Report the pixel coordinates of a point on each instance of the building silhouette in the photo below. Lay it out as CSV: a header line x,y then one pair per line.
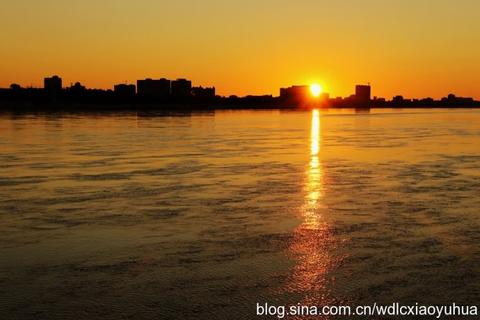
x,y
52,85
124,90
181,88
77,88
295,95
453,100
362,94
203,93
150,88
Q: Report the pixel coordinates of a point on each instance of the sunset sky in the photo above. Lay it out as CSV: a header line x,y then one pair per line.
x,y
416,48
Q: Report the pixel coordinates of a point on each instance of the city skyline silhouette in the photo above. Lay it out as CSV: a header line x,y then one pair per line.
x,y
163,93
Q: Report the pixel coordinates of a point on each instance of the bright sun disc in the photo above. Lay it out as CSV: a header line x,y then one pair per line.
x,y
315,89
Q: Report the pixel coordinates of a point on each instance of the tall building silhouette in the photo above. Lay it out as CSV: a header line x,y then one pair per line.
x,y
150,88
52,85
362,94
181,88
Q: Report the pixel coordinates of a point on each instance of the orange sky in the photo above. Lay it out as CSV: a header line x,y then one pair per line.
x,y
415,48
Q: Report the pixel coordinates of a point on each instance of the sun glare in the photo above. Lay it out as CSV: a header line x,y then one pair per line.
x,y
315,89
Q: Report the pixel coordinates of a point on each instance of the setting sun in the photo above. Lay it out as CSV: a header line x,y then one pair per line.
x,y
315,89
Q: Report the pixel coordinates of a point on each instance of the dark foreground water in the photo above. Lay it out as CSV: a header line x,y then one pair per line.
x,y
202,216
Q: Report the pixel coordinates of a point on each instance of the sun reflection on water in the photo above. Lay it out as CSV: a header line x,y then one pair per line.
x,y
313,238
315,133
314,186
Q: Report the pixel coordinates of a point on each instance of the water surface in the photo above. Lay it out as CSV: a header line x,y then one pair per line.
x,y
203,215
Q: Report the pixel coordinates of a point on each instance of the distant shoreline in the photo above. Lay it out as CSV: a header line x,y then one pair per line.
x,y
163,94
172,108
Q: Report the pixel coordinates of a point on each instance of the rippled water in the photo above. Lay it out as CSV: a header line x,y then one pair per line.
x,y
204,215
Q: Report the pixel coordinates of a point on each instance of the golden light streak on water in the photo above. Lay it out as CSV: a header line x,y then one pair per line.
x,y
313,237
313,185
315,133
